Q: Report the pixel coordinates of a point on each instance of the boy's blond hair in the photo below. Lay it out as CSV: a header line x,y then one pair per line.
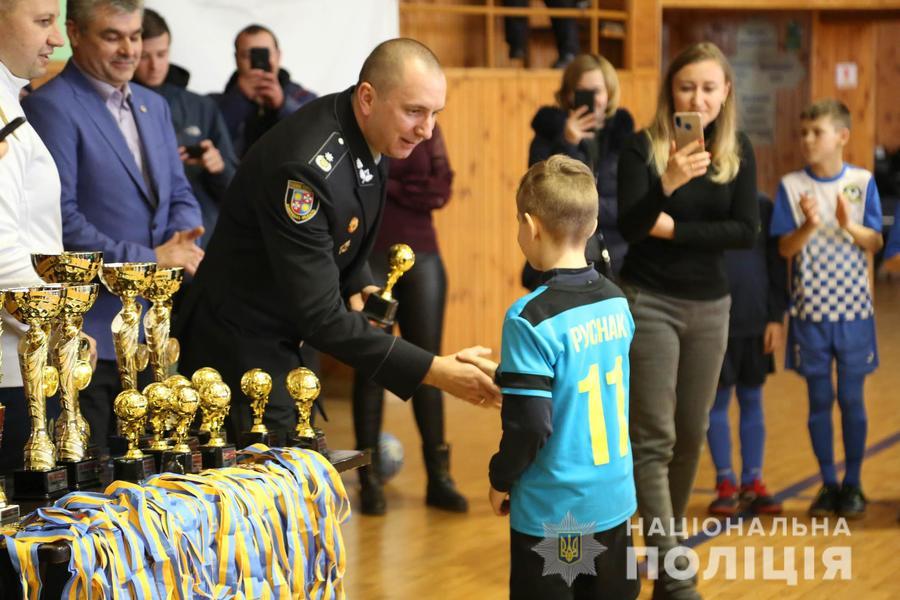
x,y
835,110
562,193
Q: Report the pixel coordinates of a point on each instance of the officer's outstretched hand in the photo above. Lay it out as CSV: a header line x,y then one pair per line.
x,y
463,380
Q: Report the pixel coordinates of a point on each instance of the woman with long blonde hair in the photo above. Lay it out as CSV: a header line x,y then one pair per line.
x,y
679,209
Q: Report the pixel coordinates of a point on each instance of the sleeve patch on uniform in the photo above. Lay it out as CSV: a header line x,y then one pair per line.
x,y
300,202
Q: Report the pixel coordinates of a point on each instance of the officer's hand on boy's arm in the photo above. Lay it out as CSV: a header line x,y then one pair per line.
x,y
463,380
772,337
499,502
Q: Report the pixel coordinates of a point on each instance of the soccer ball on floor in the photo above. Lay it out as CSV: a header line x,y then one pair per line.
x,y
390,451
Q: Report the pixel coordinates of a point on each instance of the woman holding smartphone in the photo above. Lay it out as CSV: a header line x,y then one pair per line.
x,y
679,209
588,125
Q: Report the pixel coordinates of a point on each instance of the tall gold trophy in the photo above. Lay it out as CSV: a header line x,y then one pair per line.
x,y
158,320
304,388
382,306
41,479
128,281
72,359
131,407
181,458
9,513
256,384
215,398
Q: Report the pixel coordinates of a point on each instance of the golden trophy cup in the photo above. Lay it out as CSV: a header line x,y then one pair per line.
x,y
132,407
159,415
256,384
181,458
158,320
201,378
304,388
381,306
71,357
128,281
41,478
215,399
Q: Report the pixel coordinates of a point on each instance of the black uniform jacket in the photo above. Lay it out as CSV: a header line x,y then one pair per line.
x,y
294,232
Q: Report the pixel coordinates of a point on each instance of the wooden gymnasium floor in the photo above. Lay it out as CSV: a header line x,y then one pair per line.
x,y
414,552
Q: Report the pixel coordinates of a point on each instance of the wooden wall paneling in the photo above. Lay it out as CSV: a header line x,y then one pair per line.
x,y
458,40
887,76
847,37
643,35
775,5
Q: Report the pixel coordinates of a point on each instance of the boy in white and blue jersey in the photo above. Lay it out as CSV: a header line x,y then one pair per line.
x,y
565,458
828,217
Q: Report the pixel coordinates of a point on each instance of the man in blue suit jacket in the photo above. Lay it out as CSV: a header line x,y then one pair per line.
x,y
124,191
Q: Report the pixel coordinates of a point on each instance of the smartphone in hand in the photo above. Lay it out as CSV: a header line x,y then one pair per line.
x,y
195,151
259,59
10,127
688,128
584,98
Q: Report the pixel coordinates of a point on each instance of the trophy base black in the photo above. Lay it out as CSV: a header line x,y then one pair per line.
x,y
9,514
41,485
272,439
316,443
193,443
380,310
82,474
182,462
157,457
216,457
134,470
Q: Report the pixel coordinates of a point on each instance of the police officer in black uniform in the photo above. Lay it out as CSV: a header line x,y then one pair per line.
x,y
293,236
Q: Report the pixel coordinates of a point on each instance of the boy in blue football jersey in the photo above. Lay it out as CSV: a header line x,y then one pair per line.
x,y
564,469
828,217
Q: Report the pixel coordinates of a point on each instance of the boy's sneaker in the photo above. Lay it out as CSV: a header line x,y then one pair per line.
x,y
757,499
851,503
826,502
726,502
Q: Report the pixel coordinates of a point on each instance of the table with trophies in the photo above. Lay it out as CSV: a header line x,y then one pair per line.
x,y
157,448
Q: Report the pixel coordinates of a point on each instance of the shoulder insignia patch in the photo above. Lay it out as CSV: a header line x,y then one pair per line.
x,y
329,154
300,202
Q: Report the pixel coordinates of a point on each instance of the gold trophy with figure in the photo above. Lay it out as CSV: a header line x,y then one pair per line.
x,y
256,384
71,357
41,479
159,410
163,349
381,306
201,378
304,388
215,398
128,281
131,407
9,513
181,458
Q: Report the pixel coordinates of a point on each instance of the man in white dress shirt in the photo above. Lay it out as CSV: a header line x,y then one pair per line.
x,y
30,218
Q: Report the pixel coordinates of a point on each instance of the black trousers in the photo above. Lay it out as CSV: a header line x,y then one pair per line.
x,y
526,581
422,295
17,426
565,30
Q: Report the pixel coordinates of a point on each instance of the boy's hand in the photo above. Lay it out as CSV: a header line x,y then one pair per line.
x,y
463,380
842,211
499,502
810,207
478,356
772,337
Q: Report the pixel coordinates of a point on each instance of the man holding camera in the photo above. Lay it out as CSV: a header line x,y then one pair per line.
x,y
204,143
260,93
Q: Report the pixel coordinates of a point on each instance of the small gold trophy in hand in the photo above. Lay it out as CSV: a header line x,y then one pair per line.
x,y
131,408
304,388
128,281
215,398
41,479
159,410
163,349
181,459
256,384
381,306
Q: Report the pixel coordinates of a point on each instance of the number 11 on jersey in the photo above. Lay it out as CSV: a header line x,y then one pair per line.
x,y
597,420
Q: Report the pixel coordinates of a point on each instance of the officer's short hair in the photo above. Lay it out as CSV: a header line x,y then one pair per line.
x,y
562,193
384,66
835,110
253,30
154,25
80,12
